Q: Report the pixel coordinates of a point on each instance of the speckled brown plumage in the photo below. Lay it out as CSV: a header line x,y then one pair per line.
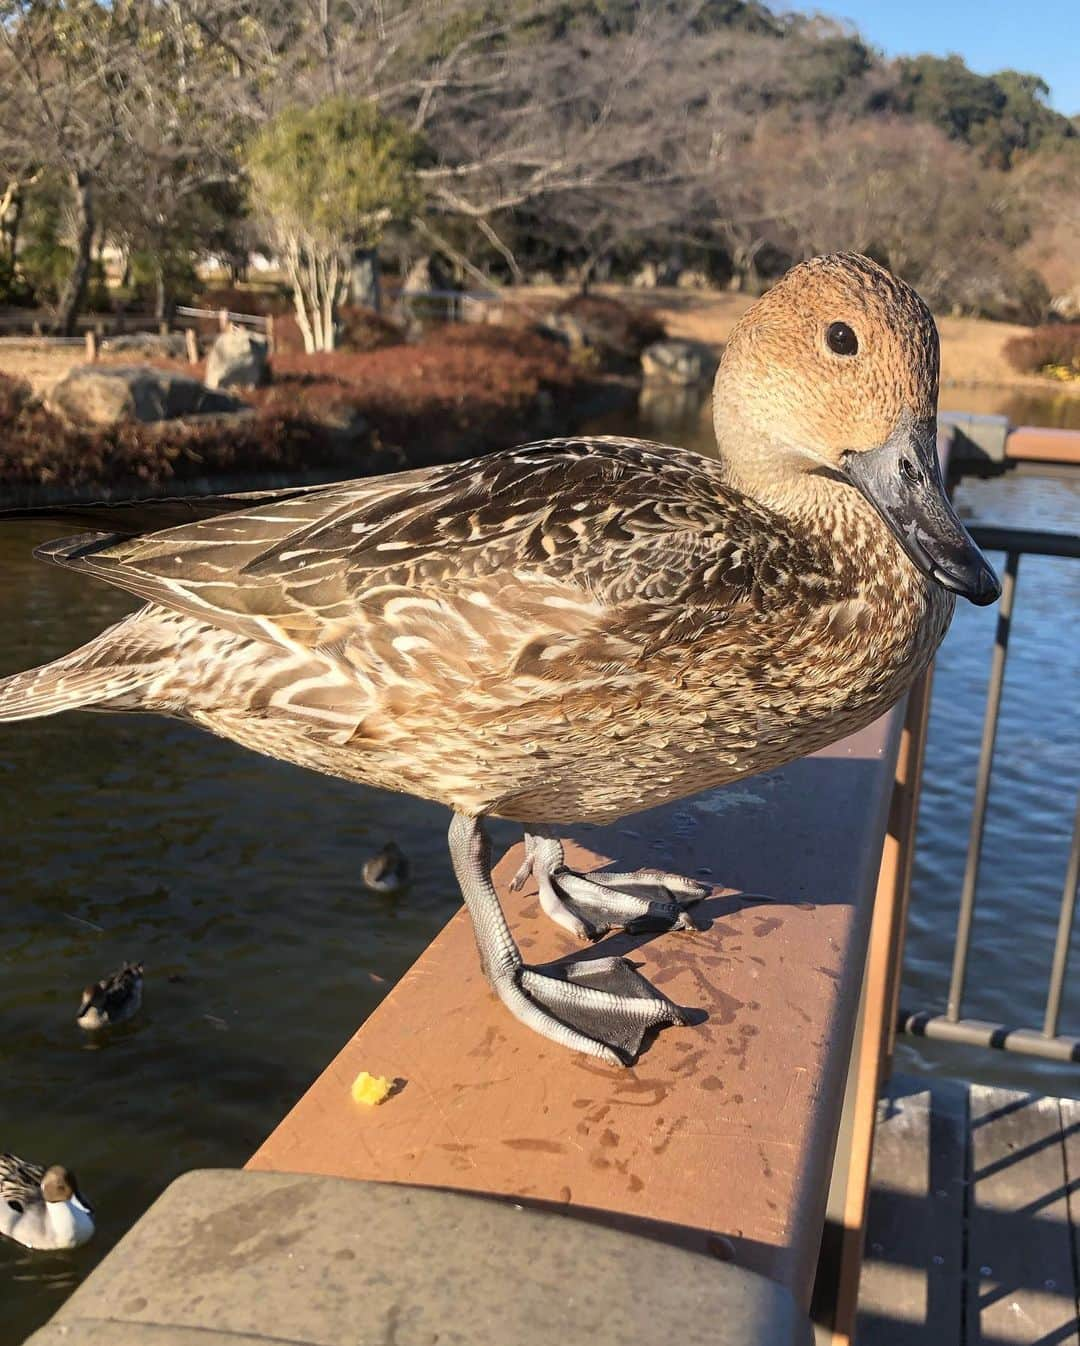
x,y
575,629
570,631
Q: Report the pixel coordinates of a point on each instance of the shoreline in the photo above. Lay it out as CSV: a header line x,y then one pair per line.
x,y
598,396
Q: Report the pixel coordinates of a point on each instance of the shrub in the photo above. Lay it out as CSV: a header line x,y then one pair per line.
x,y
236,300
359,329
38,448
613,327
14,395
1053,349
45,264
462,391
179,275
14,289
459,391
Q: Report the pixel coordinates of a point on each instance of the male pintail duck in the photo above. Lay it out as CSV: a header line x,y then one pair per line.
x,y
112,999
387,872
42,1208
572,630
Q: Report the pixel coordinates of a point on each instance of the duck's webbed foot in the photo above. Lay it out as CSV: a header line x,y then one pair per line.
x,y
589,905
602,1007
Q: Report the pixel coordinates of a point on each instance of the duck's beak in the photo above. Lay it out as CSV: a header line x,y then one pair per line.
x,y
902,480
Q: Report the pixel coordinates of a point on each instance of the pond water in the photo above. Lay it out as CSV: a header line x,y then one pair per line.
x,y
236,880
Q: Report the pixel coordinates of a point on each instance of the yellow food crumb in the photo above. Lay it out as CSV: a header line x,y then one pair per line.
x,y
369,1089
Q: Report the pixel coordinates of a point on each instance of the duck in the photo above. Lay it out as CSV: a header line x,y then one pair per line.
x,y
571,630
113,999
388,871
42,1208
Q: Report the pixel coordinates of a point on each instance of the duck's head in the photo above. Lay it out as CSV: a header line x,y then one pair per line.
x,y
91,1012
834,373
58,1184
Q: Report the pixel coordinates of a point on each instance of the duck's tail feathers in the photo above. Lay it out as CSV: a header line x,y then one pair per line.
x,y
108,672
59,686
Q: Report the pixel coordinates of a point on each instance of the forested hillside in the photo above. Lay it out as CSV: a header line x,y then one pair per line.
x,y
581,139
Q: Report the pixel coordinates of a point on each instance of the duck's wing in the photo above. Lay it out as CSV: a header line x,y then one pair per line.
x,y
518,551
20,1182
206,568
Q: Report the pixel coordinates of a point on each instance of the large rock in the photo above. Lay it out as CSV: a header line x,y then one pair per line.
x,y
237,359
679,362
149,345
567,328
102,395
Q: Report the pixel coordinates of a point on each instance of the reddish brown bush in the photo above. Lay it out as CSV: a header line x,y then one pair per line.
x,y
461,390
362,329
260,302
1053,349
14,395
38,448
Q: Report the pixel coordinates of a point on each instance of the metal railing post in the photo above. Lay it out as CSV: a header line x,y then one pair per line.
x,y
1064,933
982,789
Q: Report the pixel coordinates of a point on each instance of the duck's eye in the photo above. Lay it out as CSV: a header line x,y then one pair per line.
x,y
841,339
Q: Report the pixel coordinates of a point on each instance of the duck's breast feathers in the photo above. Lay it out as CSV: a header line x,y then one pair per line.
x,y
20,1182
595,521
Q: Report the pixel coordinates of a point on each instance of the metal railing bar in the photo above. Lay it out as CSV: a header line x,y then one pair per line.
x,y
1027,540
982,789
979,1033
1064,932
254,319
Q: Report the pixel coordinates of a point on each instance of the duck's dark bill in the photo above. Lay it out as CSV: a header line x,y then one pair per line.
x,y
902,480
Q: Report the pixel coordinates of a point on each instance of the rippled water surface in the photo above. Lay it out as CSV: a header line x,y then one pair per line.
x,y
236,880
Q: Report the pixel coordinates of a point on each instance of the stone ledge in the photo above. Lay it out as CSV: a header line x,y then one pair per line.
x,y
223,1258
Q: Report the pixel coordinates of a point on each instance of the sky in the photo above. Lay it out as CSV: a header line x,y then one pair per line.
x,y
989,34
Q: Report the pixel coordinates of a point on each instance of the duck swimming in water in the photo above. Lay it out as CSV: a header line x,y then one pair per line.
x,y
573,630
42,1208
387,872
113,999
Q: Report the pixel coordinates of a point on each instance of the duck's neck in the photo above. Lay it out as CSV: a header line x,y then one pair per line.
x,y
69,1223
782,479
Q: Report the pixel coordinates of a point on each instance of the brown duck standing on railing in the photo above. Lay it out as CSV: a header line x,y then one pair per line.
x,y
573,630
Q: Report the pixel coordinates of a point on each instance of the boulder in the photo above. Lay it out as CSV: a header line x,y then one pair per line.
x,y
238,359
427,274
149,345
567,328
679,362
102,395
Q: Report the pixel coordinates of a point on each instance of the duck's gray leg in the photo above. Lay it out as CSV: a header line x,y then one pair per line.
x,y
589,905
603,1007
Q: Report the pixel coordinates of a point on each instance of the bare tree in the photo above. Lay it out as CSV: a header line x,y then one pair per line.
x,y
65,84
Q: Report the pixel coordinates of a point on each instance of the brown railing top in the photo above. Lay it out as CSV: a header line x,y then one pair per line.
x,y
1036,443
721,1138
